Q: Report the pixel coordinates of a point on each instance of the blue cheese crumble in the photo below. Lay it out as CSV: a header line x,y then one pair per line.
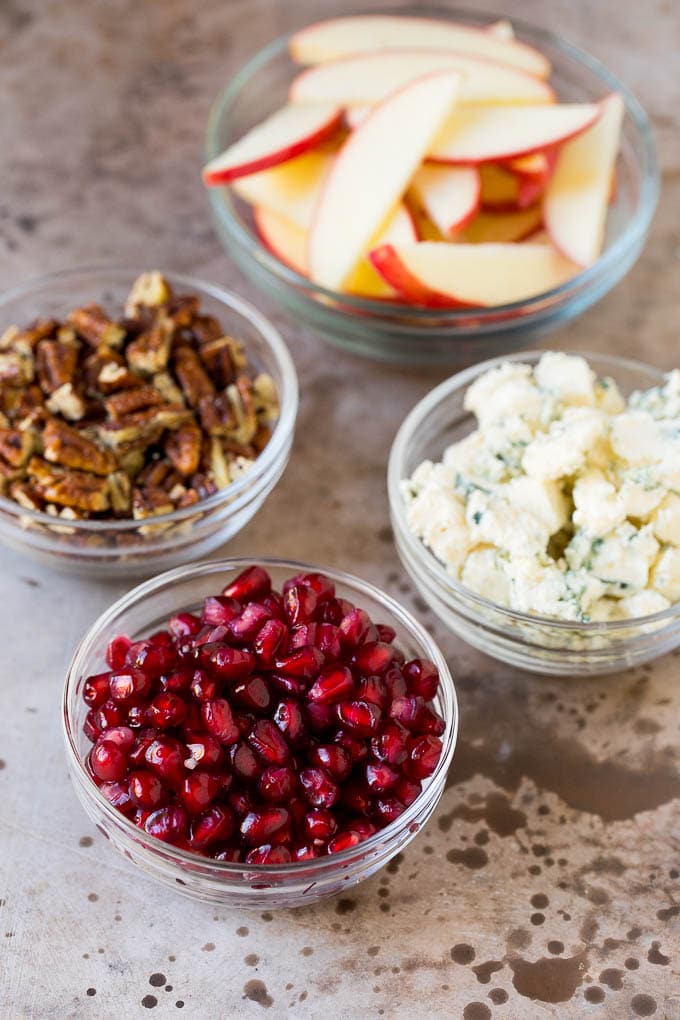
x,y
565,500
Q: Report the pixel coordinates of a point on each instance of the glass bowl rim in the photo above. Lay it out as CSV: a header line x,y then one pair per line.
x,y
635,229
288,395
204,568
424,556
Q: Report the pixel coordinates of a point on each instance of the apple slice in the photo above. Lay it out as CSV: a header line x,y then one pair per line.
x,y
356,115
285,240
487,275
367,78
578,193
291,189
483,134
503,227
285,134
499,187
502,29
372,172
339,37
425,228
449,195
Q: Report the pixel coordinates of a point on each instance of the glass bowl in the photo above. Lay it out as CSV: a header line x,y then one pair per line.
x,y
400,333
142,611
534,643
124,548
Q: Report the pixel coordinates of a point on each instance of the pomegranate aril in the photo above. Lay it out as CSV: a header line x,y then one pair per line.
x,y
129,684
204,687
228,853
252,693
194,719
167,710
356,628
304,662
259,827
168,824
107,715
319,716
277,784
213,826
394,682
333,611
431,722
121,736
289,719
356,796
267,741
373,658
108,761
379,777
334,683
406,790
240,801
363,827
269,855
228,663
305,852
299,603
184,625
166,756
206,636
385,633
373,690
320,824
391,744
424,754
143,740
356,748
251,584
152,657
136,716
359,717
96,690
90,728
334,760
219,611
218,719
244,763
146,790
343,841
322,586
117,650
318,788
204,750
274,603
247,626
297,808
118,796
271,642
422,678
408,711
387,809
304,634
199,789
328,641
287,685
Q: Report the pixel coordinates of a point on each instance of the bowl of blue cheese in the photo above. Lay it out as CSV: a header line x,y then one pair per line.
x,y
535,502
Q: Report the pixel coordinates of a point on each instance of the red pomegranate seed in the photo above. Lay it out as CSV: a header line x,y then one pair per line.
x,y
244,764
431,722
204,750
320,824
129,684
260,826
152,658
305,852
219,720
146,790
245,628
107,715
117,651
356,796
136,716
118,796
333,611
228,853
334,683
143,740
394,682
96,690
356,747
343,841
90,727
328,641
287,685
322,586
356,628
219,611
422,678
379,777
363,827
304,634
390,745
299,603
178,682
204,687
194,719
289,719
271,642
373,689
424,754
166,756
385,633
184,625
168,824
213,826
240,801
373,658
318,788
387,809
319,717
252,693
406,790
303,662
206,636
269,855
108,761
334,760
228,663
408,711
266,740
121,736
199,789
251,584
277,784
167,710
360,717
274,603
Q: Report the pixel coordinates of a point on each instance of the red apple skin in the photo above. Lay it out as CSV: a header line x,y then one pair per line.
x,y
386,261
214,178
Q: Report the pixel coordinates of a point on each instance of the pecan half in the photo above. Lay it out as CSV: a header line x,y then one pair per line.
x,y
66,402
17,366
114,376
26,496
217,415
120,492
93,324
78,489
150,352
56,361
192,376
148,290
121,404
16,446
217,356
66,446
183,448
150,503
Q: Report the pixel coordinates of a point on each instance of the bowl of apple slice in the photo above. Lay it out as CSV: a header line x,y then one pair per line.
x,y
430,185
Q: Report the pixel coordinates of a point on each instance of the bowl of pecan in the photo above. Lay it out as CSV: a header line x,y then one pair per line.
x,y
144,418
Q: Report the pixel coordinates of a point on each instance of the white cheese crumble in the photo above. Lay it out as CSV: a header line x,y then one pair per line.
x,y
565,501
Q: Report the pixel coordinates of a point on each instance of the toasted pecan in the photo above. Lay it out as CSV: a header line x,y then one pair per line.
x,y
183,448
78,489
93,325
68,447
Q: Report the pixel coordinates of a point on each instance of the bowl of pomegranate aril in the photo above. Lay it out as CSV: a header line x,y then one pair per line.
x,y
259,733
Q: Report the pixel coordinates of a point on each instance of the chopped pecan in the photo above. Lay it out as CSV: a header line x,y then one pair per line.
x,y
92,365
219,464
217,415
261,438
113,378
26,496
18,404
181,310
150,351
150,290
121,404
29,338
241,398
206,328
56,363
66,402
78,489
218,359
8,337
93,324
66,446
192,376
266,398
183,447
157,474
17,367
168,388
120,492
16,446
150,503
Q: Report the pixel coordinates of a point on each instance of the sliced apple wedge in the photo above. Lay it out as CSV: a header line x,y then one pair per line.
x,y
366,78
482,134
503,227
339,37
372,171
487,275
499,187
291,189
285,240
282,136
577,196
448,195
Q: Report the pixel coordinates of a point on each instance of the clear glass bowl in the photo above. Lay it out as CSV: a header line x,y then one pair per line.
x,y
124,548
534,643
142,611
399,333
